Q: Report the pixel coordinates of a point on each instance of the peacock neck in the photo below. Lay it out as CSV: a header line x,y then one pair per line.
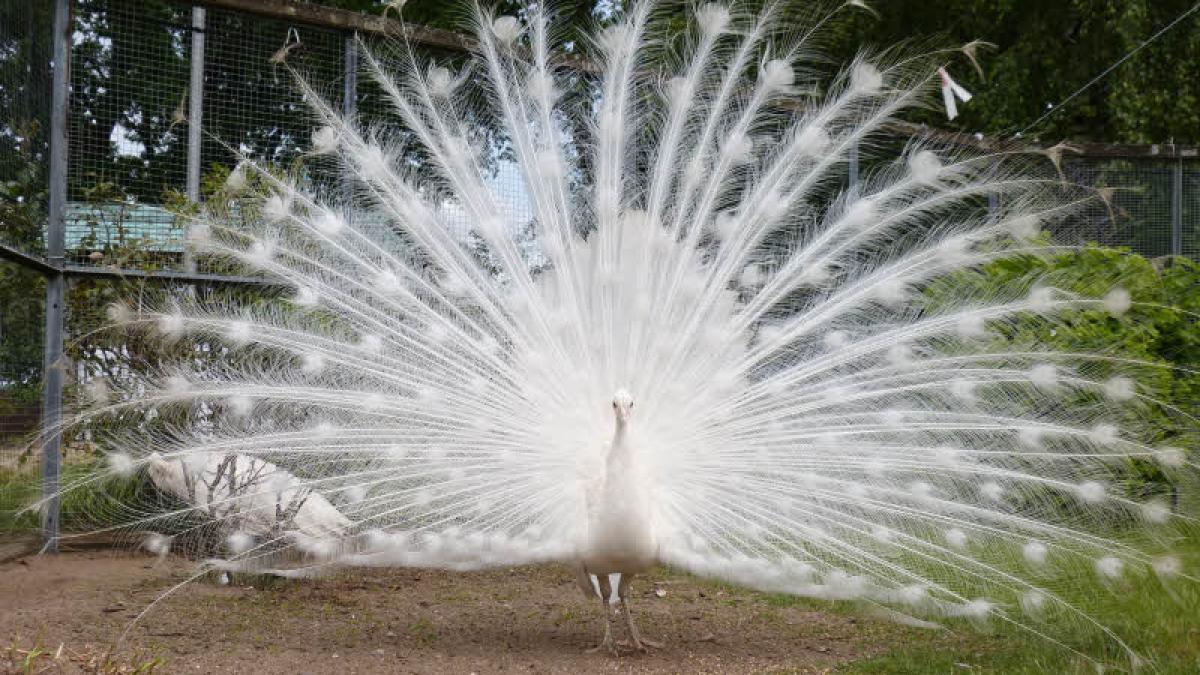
x,y
619,451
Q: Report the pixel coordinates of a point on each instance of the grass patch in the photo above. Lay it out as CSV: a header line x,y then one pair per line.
x,y
782,600
963,658
19,488
1159,620
423,631
93,504
15,658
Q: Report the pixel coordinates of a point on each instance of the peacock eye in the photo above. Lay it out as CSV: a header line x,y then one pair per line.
x,y
614,405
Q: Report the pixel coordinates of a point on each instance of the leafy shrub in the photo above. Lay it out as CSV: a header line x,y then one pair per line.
x,y
101,502
1161,331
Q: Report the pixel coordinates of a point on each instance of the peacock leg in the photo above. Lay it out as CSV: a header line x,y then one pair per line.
x,y
605,591
639,643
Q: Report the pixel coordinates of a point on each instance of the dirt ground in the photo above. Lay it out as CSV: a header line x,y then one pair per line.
x,y
421,621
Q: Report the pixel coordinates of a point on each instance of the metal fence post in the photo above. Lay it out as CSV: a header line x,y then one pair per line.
x,y
349,99
195,120
350,82
56,283
1177,207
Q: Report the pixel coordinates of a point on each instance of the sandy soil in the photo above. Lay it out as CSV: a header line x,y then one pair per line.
x,y
516,620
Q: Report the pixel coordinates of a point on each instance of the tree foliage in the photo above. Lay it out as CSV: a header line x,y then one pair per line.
x,y
1044,51
1161,330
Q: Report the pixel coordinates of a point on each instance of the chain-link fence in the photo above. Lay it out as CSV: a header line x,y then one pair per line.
x,y
25,73
22,318
1154,207
25,84
164,95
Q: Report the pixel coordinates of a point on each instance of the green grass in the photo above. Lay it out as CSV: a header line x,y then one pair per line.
x,y
1163,631
964,659
423,631
1159,621
95,505
16,658
18,488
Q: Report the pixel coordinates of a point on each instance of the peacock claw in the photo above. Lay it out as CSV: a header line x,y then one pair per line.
x,y
608,646
642,645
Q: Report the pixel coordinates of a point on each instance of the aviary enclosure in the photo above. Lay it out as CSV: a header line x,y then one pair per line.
x,y
289,290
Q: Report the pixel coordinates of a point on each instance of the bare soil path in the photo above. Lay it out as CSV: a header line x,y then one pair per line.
x,y
529,620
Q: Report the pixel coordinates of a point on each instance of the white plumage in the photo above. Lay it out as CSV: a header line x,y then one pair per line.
x,y
250,495
809,420
620,535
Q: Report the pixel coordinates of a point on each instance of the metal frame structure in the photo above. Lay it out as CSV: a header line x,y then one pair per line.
x,y
1177,207
59,272
56,282
1176,154
54,266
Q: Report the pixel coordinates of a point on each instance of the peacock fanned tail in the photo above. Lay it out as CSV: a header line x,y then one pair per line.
x,y
829,403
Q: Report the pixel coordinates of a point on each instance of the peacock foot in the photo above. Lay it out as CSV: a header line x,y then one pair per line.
x,y
608,645
640,645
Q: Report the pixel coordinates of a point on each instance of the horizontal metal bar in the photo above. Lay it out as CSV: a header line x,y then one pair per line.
x,y
22,258
84,271
345,20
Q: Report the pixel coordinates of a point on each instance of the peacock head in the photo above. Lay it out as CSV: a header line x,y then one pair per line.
x,y
622,406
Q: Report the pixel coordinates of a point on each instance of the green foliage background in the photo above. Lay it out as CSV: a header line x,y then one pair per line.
x,y
1043,52
1162,330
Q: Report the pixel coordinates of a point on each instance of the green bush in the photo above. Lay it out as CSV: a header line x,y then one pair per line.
x,y
1161,328
100,502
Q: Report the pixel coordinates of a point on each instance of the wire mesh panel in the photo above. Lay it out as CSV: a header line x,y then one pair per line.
x,y
25,76
100,359
129,127
1138,215
1190,216
104,363
128,132
22,319
26,73
251,103
377,113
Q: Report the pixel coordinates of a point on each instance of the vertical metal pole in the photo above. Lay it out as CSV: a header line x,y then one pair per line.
x,y
349,102
53,366
1177,207
195,119
350,83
